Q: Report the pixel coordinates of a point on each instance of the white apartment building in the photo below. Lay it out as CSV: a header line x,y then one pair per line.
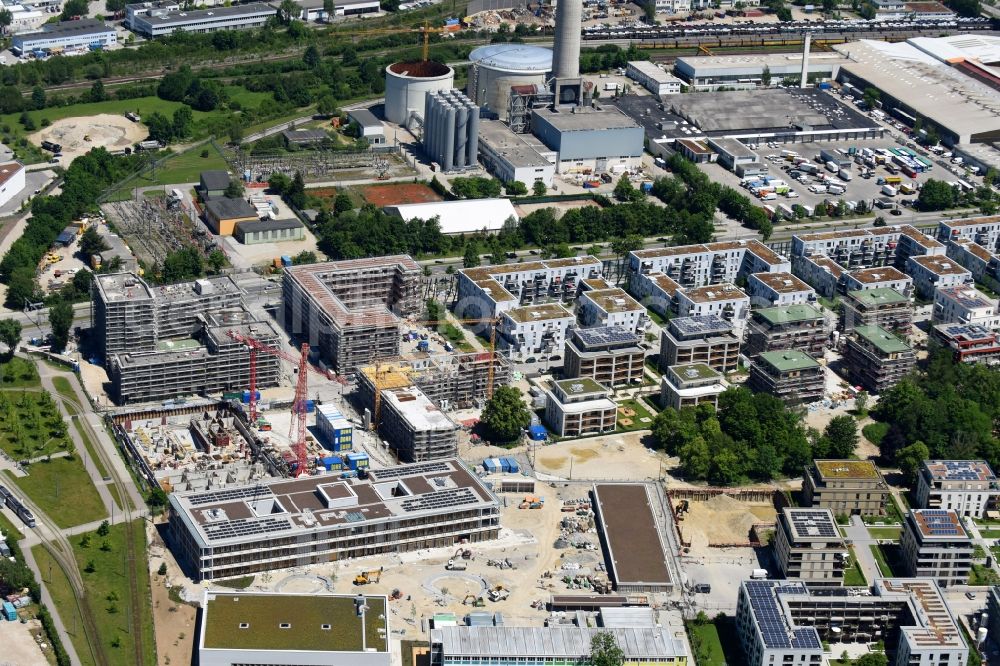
x,y
708,263
778,289
579,406
980,261
935,545
965,305
656,291
534,330
862,248
820,272
931,273
983,231
877,277
611,307
724,300
966,487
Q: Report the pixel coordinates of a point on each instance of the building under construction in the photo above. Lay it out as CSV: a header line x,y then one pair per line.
x,y
350,310
414,427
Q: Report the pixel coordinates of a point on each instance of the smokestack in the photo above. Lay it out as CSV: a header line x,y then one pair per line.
x,y
566,51
805,61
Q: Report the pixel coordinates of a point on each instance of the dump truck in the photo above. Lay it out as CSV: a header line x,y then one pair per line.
x,y
498,593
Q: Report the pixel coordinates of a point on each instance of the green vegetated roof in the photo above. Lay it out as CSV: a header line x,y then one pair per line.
x,y
789,359
305,614
586,384
847,469
695,371
879,296
789,314
883,340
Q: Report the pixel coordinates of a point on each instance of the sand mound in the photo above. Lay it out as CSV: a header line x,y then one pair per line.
x,y
723,519
78,135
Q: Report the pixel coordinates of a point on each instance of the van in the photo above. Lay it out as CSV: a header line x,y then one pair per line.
x,y
836,189
889,190
845,175
768,196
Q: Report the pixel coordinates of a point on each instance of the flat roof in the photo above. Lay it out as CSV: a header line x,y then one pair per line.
x,y
972,222
603,336
705,65
567,642
700,325
509,145
612,300
664,282
289,508
244,620
789,314
214,14
974,249
944,524
305,135
605,118
268,225
755,247
878,296
787,360
919,237
580,386
653,71
783,283
969,298
847,469
84,26
772,619
966,333
940,265
807,524
461,216
225,208
634,546
878,274
365,118
692,371
732,147
115,287
539,312
8,170
959,470
417,409
881,339
823,261
714,293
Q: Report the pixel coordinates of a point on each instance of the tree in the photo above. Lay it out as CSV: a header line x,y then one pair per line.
x,y
234,190
470,259
909,459
288,10
115,6
328,10
217,260
766,228
10,335
872,659
6,18
968,8
539,189
829,6
872,97
765,77
74,8
97,93
159,126
624,191
342,203
91,242
311,57
37,93
879,221
935,195
181,123
104,529
516,188
21,288
505,415
842,435
163,569
605,651
861,401
326,106
61,320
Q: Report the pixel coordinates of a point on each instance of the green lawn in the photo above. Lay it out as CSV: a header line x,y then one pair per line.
x,y
63,490
181,168
706,644
144,106
853,576
65,390
29,424
641,412
235,583
882,559
18,373
874,432
62,597
9,529
246,98
980,575
91,450
990,534
885,532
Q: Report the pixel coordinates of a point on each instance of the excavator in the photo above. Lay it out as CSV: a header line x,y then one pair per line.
x,y
366,577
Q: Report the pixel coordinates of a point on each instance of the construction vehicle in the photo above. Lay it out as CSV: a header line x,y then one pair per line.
x,y
474,601
366,577
498,593
464,553
456,565
396,594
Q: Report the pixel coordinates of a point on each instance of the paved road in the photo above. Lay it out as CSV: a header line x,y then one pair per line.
x,y
857,532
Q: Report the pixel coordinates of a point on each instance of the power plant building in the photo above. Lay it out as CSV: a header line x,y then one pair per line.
x,y
350,310
497,67
243,530
592,140
406,88
451,130
509,156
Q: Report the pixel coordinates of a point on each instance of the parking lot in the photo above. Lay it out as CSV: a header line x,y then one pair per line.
x,y
809,193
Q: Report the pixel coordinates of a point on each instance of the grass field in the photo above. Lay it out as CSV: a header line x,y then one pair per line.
x,y
875,432
63,490
9,529
18,373
246,98
882,559
28,423
980,575
181,168
706,645
885,532
143,105
65,390
854,577
641,412
62,597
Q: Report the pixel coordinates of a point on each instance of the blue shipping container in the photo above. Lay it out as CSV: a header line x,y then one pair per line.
x,y
512,466
310,406
537,433
357,461
9,612
286,260
825,85
246,396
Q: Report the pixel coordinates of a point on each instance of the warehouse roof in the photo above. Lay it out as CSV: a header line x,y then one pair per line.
x,y
268,225
605,118
777,62
510,146
458,217
84,26
215,14
365,118
224,208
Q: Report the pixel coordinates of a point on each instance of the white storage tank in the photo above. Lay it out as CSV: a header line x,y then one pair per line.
x,y
407,84
497,67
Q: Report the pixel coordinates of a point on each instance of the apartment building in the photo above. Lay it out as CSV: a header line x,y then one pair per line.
x,y
796,327
935,545
282,523
532,330
414,427
967,487
883,307
845,487
977,259
486,291
790,375
830,279
863,248
709,263
691,384
723,300
969,344
610,355
808,546
708,339
656,291
350,310
784,622
984,231
778,289
581,406
820,272
879,277
611,307
935,272
965,305
876,358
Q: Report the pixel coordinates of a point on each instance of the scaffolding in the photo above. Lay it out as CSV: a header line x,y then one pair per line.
x,y
520,103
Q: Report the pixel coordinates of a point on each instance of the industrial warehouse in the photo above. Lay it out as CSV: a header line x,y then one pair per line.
x,y
295,522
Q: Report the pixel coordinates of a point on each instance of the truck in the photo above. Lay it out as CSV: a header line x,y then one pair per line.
x,y
836,189
423,346
907,188
759,574
51,147
832,167
809,167
889,190
456,565
611,86
893,180
845,175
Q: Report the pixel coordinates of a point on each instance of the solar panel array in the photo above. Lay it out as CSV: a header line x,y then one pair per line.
x,y
410,470
813,523
700,325
771,620
940,522
243,527
972,331
605,335
230,494
440,500
962,470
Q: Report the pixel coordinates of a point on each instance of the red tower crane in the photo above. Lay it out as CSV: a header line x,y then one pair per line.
x,y
297,432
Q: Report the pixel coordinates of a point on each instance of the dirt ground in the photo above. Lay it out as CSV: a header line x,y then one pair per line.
x,y
722,519
616,457
559,206
399,193
19,646
171,620
104,130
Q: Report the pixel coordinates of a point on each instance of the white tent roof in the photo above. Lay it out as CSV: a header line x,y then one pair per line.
x,y
464,216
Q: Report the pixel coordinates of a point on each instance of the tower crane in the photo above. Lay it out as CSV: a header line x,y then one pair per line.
x,y
297,431
425,29
380,374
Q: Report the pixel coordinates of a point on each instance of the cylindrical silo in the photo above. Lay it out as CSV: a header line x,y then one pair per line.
x,y
449,137
461,127
472,147
497,67
406,85
566,51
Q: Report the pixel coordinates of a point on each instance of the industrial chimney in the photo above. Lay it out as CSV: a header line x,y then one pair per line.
x,y
804,83
566,52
